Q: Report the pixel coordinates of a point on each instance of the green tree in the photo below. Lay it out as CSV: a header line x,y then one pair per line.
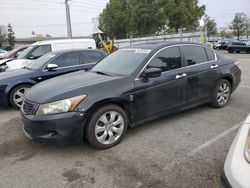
x,y
211,26
130,18
2,35
113,19
182,13
11,36
238,24
248,27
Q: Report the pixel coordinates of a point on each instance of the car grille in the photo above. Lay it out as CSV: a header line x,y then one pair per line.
x,y
28,107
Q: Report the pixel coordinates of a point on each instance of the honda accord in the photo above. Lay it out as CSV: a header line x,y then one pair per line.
x,y
127,88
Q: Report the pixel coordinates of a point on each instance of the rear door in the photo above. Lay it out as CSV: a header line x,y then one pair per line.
x,y
202,73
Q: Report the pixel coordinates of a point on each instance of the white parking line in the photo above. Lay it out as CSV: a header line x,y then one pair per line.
x,y
200,148
248,87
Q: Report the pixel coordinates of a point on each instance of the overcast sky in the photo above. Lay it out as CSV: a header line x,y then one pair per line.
x,y
48,16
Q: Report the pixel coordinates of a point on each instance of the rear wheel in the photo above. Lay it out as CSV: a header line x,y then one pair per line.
x,y
221,94
107,127
17,94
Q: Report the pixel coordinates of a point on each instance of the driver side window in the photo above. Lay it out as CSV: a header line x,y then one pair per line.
x,y
67,59
40,51
167,59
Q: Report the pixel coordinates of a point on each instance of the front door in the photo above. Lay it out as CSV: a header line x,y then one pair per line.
x,y
67,62
161,95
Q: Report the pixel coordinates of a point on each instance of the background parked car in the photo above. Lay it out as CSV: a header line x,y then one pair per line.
x,y
127,88
237,164
14,84
238,46
220,45
2,52
9,56
39,49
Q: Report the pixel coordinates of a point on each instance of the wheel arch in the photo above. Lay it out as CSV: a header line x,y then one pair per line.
x,y
15,86
116,101
230,79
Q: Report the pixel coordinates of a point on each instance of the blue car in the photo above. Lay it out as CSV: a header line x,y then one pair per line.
x,y
14,84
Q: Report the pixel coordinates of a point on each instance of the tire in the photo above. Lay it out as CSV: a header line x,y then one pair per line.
x,y
16,99
101,118
221,94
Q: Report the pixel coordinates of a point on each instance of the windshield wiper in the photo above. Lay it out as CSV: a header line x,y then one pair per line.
x,y
102,73
27,68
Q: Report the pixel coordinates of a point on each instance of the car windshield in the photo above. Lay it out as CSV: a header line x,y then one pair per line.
x,y
41,62
122,62
25,52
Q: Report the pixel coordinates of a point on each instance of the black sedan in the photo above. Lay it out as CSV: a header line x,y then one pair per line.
x,y
129,87
238,46
14,84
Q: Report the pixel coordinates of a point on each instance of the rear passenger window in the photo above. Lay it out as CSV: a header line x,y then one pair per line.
x,y
167,59
92,57
195,54
68,59
210,55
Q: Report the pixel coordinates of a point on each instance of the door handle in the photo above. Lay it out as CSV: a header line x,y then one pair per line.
x,y
214,66
181,75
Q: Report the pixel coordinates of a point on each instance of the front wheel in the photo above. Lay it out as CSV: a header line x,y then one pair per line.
x,y
17,94
107,127
221,94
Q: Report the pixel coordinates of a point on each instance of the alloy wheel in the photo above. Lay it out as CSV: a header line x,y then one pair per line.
x,y
18,96
109,127
223,94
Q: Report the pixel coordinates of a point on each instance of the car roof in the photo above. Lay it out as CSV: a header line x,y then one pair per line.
x,y
75,50
63,41
155,46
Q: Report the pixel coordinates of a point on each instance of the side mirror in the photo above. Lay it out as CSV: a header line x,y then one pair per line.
x,y
31,57
151,73
51,67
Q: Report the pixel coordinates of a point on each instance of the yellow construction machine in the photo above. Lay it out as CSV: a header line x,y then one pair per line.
x,y
104,42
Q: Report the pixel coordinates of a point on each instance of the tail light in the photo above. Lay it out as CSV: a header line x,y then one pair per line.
x,y
237,63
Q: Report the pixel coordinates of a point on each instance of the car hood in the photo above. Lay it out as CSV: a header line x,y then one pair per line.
x,y
66,86
17,64
3,61
15,74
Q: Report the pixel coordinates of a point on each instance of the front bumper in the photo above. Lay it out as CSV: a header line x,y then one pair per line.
x,y
65,127
236,168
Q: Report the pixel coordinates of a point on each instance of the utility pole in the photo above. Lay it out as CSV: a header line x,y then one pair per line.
x,y
69,31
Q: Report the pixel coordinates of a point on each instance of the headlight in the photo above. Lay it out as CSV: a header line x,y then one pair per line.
x,y
66,105
247,147
3,67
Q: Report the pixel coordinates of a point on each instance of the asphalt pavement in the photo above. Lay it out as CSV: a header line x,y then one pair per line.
x,y
183,150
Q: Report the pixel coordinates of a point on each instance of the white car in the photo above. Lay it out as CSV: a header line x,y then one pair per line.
x,y
2,52
41,48
237,165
